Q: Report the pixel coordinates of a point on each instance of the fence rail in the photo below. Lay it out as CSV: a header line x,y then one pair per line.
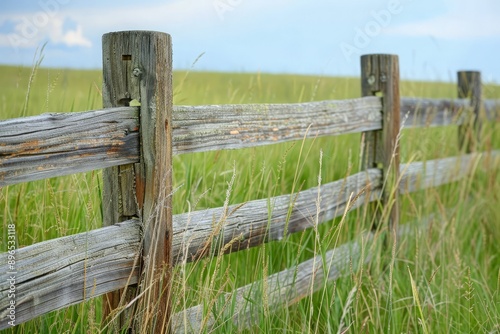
x,y
58,273
135,154
50,145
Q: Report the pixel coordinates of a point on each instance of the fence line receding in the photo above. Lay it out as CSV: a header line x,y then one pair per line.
x,y
141,240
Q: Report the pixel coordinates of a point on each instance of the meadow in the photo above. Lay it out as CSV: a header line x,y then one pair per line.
x,y
443,277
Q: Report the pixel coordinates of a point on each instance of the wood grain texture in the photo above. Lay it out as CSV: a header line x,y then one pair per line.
x,y
236,227
207,128
119,195
420,112
59,144
138,65
57,273
51,145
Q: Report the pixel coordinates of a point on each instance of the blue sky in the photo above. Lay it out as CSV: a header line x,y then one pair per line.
x,y
433,39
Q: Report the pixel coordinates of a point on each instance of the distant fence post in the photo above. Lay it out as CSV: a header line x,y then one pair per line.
x,y
469,87
380,76
137,66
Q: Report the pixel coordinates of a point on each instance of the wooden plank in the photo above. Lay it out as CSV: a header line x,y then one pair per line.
x,y
49,145
380,75
54,274
419,112
52,145
207,232
469,87
217,127
433,173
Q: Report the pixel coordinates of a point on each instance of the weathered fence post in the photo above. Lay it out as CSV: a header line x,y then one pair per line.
x,y
137,66
380,76
469,87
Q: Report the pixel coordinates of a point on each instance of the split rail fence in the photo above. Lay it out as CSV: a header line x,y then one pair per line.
x,y
141,240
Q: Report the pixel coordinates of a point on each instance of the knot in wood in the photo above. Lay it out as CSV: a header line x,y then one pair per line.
x,y
371,80
136,72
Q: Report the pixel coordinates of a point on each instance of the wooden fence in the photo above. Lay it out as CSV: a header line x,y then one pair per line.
x,y
134,145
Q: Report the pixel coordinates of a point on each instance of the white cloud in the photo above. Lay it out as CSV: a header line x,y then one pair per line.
x,y
70,37
32,29
463,19
76,38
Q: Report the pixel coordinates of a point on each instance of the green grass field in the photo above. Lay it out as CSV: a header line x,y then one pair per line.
x,y
442,278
